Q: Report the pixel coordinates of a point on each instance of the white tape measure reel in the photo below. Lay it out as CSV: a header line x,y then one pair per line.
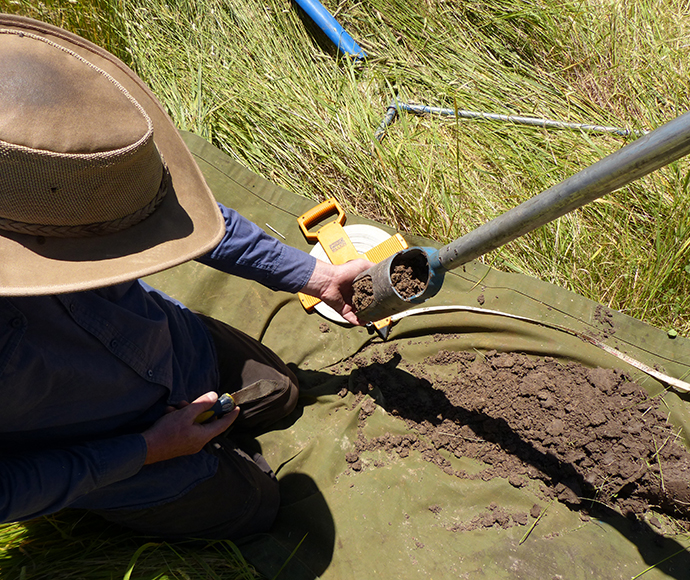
x,y
363,238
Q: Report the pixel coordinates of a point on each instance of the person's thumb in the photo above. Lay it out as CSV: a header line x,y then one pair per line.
x,y
200,405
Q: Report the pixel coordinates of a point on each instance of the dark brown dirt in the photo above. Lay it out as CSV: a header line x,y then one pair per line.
x,y
605,319
408,279
363,293
585,434
411,278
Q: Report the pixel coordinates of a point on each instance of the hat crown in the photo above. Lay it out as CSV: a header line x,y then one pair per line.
x,y
77,158
76,150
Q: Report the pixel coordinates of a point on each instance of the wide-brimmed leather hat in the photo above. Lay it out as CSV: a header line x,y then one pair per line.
x,y
96,185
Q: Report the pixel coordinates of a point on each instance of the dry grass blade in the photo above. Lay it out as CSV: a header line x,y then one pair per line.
x,y
534,523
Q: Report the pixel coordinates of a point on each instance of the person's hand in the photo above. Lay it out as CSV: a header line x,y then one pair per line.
x,y
176,433
333,285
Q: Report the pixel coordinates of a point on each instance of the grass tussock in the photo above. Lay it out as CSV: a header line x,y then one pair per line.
x,y
74,545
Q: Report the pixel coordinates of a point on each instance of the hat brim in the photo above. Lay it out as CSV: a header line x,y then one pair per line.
x,y
186,225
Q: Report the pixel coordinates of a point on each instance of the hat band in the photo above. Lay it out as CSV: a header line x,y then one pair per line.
x,y
96,228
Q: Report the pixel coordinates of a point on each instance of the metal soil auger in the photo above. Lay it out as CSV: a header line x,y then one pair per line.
x,y
378,292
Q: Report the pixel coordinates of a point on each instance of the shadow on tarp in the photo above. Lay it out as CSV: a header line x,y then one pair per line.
x,y
301,543
664,553
302,539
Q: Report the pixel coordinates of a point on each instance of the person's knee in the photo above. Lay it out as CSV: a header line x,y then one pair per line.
x,y
271,408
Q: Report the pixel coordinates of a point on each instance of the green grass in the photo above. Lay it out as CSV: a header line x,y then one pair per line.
x,y
82,546
258,81
261,83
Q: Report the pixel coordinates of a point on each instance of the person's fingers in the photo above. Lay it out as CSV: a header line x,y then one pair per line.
x,y
217,426
357,266
200,404
351,317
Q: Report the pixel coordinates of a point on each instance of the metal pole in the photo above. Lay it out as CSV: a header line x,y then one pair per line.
x,y
517,119
668,143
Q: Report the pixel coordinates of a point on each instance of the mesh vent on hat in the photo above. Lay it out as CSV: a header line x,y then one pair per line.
x,y
49,189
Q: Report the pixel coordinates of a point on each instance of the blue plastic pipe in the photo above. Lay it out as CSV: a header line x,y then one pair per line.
x,y
336,33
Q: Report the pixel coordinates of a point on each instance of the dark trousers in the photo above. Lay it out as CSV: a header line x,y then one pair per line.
x,y
242,498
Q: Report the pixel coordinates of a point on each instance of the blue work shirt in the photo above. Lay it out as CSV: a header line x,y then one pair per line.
x,y
84,374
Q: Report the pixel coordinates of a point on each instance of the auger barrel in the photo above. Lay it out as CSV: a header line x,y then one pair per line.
x,y
656,149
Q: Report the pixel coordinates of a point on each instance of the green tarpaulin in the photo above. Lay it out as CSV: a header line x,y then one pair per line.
x,y
394,517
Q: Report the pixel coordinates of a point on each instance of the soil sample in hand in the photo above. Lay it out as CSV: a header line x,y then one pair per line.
x,y
363,293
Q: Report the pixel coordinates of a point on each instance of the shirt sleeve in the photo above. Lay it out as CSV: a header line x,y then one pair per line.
x,y
38,483
249,252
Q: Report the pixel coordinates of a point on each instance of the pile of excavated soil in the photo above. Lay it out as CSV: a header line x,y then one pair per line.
x,y
586,434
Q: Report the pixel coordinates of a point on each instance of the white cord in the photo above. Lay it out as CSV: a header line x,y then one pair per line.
x,y
672,381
